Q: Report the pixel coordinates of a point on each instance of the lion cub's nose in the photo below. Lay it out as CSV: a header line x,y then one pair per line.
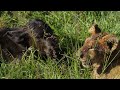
x,y
81,55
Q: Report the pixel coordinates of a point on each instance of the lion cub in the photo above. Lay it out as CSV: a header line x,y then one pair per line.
x,y
99,48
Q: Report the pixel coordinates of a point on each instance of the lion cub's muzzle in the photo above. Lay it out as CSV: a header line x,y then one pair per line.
x,y
86,59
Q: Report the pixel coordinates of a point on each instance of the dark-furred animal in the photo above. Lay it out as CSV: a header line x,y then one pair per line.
x,y
36,33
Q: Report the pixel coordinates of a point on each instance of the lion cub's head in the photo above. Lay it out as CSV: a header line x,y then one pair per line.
x,y
97,46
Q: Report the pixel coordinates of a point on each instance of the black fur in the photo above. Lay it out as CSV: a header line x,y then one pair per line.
x,y
18,40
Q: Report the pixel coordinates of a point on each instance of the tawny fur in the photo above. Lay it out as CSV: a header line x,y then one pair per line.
x,y
96,49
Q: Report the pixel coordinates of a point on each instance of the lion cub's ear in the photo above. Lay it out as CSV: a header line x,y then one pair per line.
x,y
111,40
94,29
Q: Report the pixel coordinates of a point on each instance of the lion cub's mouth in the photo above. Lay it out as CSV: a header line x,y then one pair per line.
x,y
86,64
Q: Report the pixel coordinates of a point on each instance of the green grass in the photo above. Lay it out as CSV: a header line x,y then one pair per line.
x,y
71,27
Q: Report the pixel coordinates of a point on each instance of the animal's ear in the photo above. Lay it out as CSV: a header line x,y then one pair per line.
x,y
112,43
92,53
94,29
111,40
